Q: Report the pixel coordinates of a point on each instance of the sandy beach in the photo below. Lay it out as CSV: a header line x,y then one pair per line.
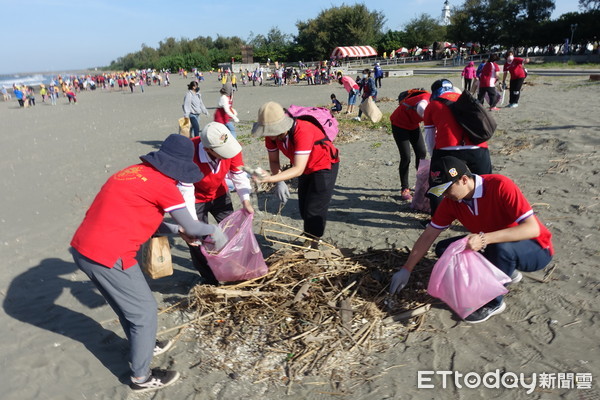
x,y
60,339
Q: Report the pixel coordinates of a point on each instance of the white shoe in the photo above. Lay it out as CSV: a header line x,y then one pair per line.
x,y
356,118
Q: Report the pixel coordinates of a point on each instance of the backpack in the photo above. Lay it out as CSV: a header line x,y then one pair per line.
x,y
477,122
319,116
407,94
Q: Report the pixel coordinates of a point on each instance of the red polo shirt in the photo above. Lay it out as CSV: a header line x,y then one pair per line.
x,y
125,213
303,142
448,132
212,185
406,116
515,68
497,204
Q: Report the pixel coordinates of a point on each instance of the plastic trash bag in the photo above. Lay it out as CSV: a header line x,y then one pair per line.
x,y
465,280
419,201
241,258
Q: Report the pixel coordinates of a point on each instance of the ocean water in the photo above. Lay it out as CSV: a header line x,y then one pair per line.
x,y
33,79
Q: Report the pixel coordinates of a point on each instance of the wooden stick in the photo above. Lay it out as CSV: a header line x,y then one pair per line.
x,y
407,314
200,318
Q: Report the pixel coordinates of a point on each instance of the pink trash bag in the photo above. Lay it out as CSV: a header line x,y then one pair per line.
x,y
465,280
419,201
241,258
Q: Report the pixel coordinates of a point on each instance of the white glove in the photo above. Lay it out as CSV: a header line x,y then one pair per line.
x,y
219,237
283,192
399,280
235,119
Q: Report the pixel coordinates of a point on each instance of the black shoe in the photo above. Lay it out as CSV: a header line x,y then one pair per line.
x,y
484,313
159,379
162,346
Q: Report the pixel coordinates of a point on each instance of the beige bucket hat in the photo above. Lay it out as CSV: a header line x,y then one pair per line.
x,y
272,120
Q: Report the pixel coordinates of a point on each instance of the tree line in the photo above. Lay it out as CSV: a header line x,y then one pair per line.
x,y
505,23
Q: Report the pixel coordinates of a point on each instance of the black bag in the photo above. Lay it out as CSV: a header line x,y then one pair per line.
x,y
472,116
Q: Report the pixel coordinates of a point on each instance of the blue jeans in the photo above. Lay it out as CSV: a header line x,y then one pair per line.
x,y
128,294
195,122
524,255
231,128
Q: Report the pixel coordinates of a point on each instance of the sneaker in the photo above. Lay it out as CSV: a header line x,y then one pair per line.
x,y
356,118
515,277
484,313
160,378
162,346
405,194
494,109
514,105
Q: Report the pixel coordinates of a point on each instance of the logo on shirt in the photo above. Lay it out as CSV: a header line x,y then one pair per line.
x,y
452,172
129,174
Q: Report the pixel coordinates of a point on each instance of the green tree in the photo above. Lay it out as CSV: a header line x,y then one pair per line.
x,y
338,26
391,40
589,5
423,31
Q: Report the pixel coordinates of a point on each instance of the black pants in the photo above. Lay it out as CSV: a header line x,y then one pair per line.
x,y
314,196
378,81
515,90
491,91
478,160
468,84
404,140
219,208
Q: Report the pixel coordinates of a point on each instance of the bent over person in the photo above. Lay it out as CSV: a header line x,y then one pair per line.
x,y
127,211
315,161
502,224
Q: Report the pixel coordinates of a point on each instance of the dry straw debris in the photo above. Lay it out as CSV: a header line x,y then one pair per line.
x,y
316,313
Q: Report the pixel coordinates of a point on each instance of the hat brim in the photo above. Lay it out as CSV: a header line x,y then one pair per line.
x,y
273,129
182,171
440,189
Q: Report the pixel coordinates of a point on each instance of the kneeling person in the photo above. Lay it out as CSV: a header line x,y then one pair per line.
x,y
501,221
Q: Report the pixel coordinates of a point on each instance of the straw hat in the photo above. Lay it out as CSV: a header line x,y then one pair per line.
x,y
272,120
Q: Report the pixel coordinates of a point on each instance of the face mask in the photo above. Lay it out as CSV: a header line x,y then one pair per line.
x,y
510,58
196,89
364,75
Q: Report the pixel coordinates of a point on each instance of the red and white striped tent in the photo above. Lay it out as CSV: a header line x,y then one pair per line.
x,y
353,51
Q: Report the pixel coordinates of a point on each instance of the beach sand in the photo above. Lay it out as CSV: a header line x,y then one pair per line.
x,y
59,337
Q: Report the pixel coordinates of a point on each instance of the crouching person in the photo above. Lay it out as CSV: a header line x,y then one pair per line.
x,y
502,224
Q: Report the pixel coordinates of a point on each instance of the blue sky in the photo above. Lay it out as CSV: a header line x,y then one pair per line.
x,y
55,35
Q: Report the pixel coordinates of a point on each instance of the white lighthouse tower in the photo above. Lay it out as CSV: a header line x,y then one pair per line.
x,y
446,14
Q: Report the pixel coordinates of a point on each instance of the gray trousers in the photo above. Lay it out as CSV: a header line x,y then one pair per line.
x,y
129,295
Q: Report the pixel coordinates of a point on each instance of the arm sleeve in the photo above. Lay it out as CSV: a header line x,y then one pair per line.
x,y
187,104
187,190
190,226
202,106
421,106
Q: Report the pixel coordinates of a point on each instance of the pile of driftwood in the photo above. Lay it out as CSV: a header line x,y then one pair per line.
x,y
316,313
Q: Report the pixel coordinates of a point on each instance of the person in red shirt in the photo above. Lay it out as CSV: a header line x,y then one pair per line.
x,y
406,130
514,65
218,155
225,112
487,82
502,224
127,211
446,137
315,161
